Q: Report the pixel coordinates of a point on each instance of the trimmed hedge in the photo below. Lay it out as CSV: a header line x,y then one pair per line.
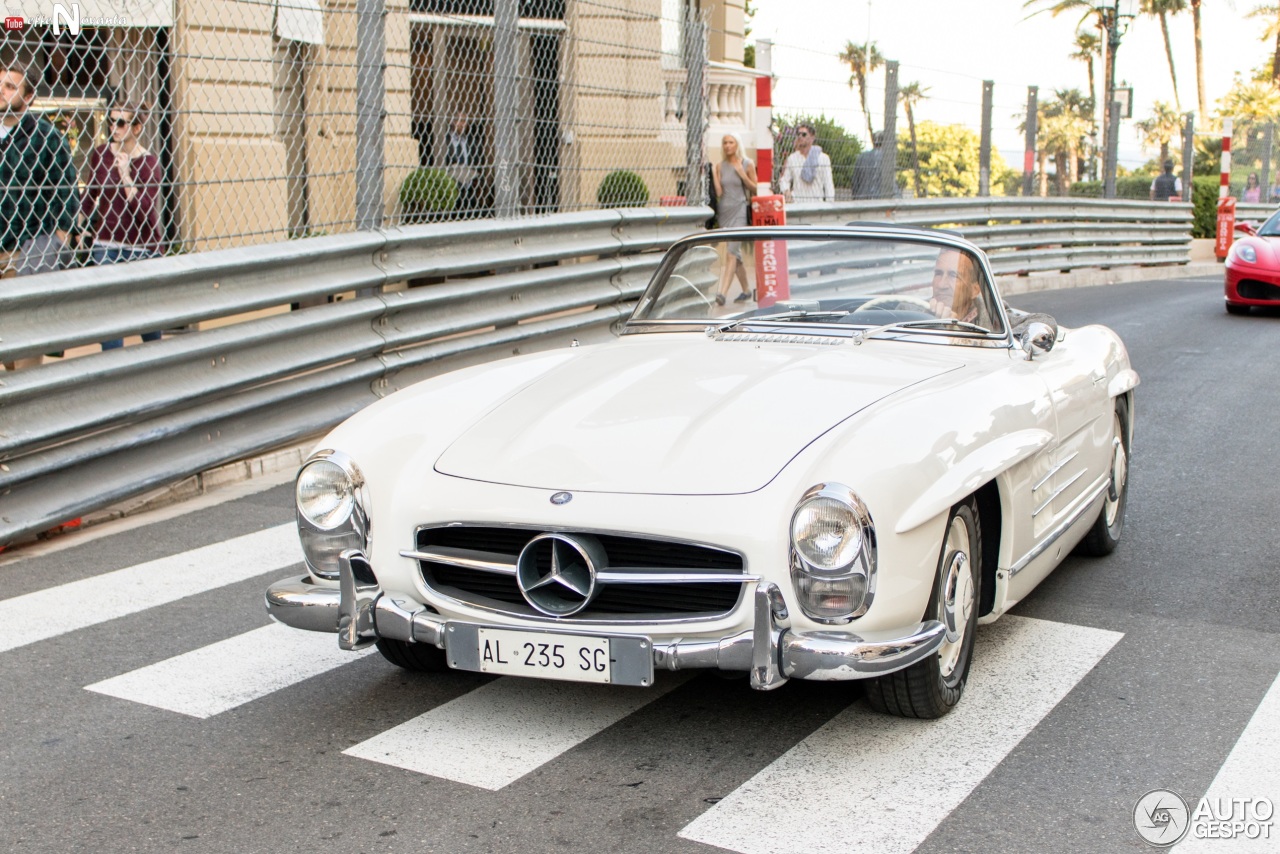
x,y
425,192
1204,197
622,189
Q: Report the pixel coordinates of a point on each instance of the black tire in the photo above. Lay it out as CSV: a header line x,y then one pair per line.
x,y
1104,536
418,657
1234,308
931,688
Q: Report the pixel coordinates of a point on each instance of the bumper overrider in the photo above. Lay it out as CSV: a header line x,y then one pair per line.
x,y
360,612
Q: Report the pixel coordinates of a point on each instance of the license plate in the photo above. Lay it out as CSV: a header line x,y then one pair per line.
x,y
574,658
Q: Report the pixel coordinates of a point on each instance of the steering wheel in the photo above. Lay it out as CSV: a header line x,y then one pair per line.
x,y
886,301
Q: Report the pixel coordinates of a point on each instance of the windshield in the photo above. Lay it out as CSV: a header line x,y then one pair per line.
x,y
1271,228
857,281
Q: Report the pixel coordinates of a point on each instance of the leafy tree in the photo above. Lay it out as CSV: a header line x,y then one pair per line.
x,y
949,159
1270,14
841,146
910,95
748,51
862,60
1162,126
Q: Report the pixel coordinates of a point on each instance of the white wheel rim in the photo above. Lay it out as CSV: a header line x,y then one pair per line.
x,y
1119,474
956,597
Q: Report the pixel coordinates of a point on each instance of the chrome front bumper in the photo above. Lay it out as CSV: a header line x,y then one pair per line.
x,y
360,612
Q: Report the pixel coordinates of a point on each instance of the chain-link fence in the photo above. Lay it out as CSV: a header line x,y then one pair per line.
x,y
205,124
143,127
1255,172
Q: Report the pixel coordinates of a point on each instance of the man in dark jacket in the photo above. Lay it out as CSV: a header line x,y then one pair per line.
x,y
1167,186
38,199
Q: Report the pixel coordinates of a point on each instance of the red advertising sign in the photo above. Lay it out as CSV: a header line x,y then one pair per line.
x,y
772,281
1226,226
15,22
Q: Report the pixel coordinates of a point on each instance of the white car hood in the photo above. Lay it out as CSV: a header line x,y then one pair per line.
x,y
692,417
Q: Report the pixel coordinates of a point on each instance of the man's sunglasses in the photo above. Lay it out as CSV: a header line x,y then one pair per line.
x,y
120,123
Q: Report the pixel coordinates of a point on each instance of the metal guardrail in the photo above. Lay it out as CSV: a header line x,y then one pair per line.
x,y
80,434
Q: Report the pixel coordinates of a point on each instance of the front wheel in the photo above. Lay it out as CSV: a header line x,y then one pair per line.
x,y
930,688
1104,536
419,657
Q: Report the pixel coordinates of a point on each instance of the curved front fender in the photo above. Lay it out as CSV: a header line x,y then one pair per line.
x,y
977,468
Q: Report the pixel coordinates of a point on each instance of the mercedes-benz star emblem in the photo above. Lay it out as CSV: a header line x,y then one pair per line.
x,y
556,573
561,498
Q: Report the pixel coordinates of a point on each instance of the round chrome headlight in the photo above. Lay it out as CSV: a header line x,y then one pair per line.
x,y
826,532
325,494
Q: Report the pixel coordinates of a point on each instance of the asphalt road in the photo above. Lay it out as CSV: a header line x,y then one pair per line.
x,y
1143,670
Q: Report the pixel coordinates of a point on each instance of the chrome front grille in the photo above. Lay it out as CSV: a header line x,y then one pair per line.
x,y
645,579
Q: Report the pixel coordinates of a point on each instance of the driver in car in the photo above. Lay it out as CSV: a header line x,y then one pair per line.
x,y
956,293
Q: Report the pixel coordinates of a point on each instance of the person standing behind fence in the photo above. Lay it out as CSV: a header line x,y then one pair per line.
x,y
806,176
459,160
121,198
866,170
1166,186
1252,189
734,189
38,201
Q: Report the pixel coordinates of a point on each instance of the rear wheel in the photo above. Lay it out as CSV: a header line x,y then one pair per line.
x,y
930,688
1234,308
1104,536
419,657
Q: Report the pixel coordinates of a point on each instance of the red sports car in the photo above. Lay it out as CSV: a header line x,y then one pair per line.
x,y
1253,268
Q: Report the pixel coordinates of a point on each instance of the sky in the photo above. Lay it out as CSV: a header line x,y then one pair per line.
x,y
951,46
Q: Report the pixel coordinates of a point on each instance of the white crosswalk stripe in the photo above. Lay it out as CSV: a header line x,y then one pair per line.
x,y
496,734
230,673
68,607
1252,771
868,782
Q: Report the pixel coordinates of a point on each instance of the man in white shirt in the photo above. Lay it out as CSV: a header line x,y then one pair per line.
x,y
806,176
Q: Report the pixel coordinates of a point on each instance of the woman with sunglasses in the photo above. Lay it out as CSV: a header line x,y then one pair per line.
x,y
121,197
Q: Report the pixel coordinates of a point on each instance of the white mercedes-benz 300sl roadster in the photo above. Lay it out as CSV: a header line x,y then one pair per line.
x,y
811,453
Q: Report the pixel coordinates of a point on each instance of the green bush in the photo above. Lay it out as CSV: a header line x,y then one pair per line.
x,y
622,189
1127,187
1204,197
427,192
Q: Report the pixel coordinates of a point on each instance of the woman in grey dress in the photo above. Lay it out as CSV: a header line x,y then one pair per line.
x,y
734,189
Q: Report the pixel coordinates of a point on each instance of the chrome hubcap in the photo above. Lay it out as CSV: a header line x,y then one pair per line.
x,y
1119,474
956,599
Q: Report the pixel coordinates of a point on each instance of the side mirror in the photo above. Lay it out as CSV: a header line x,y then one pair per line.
x,y
1037,339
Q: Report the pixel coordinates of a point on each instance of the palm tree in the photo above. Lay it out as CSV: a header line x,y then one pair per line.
x,y
862,60
1162,9
1063,125
910,95
1270,14
1164,124
1088,11
1087,47
1195,26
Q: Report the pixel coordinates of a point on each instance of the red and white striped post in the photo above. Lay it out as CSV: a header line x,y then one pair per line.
x,y
764,117
1225,186
1226,204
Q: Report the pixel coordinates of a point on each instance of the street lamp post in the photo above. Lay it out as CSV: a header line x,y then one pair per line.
x,y
1116,18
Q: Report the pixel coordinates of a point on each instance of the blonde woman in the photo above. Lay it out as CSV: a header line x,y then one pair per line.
x,y
734,187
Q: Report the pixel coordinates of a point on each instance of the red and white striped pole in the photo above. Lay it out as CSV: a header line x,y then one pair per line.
x,y
1226,204
764,117
1224,188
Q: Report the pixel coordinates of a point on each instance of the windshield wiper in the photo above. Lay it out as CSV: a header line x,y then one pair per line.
x,y
781,315
948,323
